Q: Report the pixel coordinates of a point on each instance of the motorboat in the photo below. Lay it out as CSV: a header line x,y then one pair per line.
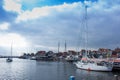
x,y
72,58
116,64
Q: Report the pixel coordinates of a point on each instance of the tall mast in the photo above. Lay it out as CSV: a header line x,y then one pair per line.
x,y
58,46
11,48
86,30
65,46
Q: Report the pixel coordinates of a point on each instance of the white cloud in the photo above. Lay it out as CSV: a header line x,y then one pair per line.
x,y
46,11
18,42
34,14
12,5
4,26
16,39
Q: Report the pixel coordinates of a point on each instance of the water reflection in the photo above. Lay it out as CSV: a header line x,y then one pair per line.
x,y
92,75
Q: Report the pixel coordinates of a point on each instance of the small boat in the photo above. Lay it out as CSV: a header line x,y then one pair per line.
x,y
9,60
71,58
116,64
33,58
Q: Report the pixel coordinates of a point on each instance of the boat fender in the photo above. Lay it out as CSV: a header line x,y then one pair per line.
x,y
89,69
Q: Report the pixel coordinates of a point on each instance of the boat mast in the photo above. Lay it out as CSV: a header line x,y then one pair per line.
x,y
86,30
11,49
58,46
65,46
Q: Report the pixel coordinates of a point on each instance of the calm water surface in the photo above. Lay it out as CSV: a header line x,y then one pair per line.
x,y
21,69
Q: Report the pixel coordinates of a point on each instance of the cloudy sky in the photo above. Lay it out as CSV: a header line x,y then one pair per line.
x,y
32,25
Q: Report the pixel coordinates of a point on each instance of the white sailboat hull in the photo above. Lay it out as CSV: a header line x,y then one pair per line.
x,y
93,67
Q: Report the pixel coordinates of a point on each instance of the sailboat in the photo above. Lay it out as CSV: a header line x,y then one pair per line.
x,y
9,59
91,64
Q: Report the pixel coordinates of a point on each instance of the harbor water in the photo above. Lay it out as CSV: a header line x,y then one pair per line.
x,y
22,69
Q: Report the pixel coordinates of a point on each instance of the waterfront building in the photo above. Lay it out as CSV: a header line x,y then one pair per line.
x,y
43,55
40,53
117,50
72,52
105,52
